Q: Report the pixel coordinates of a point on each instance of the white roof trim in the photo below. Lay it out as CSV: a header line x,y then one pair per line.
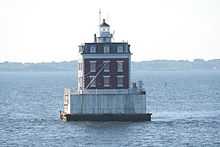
x,y
105,56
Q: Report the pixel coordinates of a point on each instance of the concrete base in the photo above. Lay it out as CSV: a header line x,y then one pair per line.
x,y
107,104
106,117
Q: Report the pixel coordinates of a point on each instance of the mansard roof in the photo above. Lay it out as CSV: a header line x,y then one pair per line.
x,y
99,47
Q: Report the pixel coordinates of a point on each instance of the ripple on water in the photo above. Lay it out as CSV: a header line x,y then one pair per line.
x,y
184,114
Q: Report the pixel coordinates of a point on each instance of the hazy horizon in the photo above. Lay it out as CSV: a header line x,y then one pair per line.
x,y
131,60
46,31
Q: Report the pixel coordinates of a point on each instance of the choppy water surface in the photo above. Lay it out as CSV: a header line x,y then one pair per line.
x,y
185,107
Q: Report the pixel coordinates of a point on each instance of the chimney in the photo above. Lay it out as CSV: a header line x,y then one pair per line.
x,y
95,39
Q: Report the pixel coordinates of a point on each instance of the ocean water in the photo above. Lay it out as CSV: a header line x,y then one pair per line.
x,y
185,107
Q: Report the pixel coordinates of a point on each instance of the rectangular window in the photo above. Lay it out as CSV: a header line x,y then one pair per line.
x,y
106,81
120,49
92,81
126,49
106,66
106,49
92,49
108,39
120,81
119,66
92,66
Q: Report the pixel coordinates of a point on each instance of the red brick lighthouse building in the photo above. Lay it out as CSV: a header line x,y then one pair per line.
x,y
104,92
104,66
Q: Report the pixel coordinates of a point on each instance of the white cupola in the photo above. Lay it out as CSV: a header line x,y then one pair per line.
x,y
104,34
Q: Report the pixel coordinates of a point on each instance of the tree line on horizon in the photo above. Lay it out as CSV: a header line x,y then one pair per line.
x,y
197,64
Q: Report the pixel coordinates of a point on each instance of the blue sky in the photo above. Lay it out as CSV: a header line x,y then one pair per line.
x,y
51,30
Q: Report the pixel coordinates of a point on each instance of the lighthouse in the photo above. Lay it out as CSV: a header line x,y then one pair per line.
x,y
104,66
104,91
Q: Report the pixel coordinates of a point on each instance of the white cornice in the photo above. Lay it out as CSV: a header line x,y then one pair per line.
x,y
105,56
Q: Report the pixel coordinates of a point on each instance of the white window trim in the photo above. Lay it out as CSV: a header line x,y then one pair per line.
x,y
92,49
104,81
120,49
122,77
126,49
92,62
106,62
108,76
122,62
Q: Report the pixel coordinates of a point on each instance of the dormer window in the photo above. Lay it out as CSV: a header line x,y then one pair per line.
x,y
120,49
106,49
126,49
92,49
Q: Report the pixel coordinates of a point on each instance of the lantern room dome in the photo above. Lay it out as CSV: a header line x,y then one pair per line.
x,y
104,24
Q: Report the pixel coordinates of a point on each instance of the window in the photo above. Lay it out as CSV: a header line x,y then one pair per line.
x,y
106,66
108,39
92,49
126,49
119,66
105,29
120,49
92,81
106,49
106,81
120,81
92,66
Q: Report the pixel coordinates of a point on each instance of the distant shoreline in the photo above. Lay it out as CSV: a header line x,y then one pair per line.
x,y
154,65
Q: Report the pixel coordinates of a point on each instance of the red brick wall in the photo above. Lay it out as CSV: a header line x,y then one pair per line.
x,y
113,73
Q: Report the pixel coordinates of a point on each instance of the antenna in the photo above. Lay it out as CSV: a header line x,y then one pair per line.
x,y
113,34
100,16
